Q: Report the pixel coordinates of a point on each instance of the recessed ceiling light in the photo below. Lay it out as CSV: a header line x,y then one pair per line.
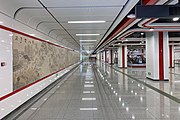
x,y
100,21
87,34
175,18
131,16
151,29
1,22
32,34
142,33
87,40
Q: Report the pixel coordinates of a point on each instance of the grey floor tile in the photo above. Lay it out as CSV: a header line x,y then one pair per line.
x,y
131,101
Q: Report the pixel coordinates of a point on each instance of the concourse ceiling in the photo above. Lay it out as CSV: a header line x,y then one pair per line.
x,y
51,17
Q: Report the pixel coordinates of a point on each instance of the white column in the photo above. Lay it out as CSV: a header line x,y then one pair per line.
x,y
122,56
98,55
104,56
157,49
110,56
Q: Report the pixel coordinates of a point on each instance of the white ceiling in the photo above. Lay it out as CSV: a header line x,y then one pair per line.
x,y
34,15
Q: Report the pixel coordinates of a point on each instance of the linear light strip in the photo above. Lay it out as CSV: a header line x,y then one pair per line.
x,y
87,40
100,21
87,34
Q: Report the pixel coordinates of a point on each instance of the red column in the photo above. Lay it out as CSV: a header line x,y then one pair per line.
x,y
161,61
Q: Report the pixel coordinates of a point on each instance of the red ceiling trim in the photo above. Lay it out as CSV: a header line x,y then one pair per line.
x,y
125,23
150,2
146,25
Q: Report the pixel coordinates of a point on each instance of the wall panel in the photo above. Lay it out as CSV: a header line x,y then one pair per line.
x,y
33,60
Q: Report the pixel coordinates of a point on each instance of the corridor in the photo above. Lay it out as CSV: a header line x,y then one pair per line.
x,y
98,92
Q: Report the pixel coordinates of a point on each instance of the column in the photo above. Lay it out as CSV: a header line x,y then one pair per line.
x,y
122,57
110,56
104,56
171,56
157,56
99,56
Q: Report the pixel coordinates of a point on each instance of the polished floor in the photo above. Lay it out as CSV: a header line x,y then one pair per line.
x,y
99,92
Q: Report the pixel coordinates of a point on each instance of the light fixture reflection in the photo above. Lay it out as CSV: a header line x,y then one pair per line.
x,y
88,85
88,98
88,109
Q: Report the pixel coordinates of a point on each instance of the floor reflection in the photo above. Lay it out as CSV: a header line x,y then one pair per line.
x,y
98,92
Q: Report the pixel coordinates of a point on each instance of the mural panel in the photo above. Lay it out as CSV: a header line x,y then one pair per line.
x,y
33,59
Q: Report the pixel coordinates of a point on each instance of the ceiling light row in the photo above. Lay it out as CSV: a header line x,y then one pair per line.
x,y
100,21
88,40
87,34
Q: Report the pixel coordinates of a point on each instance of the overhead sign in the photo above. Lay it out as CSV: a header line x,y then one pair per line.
x,y
157,11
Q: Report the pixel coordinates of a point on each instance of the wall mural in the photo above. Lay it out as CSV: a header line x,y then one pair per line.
x,y
33,59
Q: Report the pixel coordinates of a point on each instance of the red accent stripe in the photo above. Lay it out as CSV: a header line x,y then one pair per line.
x,y
123,57
20,89
119,28
151,20
147,22
170,56
150,2
161,61
124,24
35,38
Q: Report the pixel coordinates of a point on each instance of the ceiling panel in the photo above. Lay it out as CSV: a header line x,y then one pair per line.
x,y
73,3
88,37
10,6
87,26
26,15
75,31
86,13
64,11
97,26
64,19
99,11
49,27
39,20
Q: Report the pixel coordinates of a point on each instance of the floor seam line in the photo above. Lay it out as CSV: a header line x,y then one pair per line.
x,y
151,87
